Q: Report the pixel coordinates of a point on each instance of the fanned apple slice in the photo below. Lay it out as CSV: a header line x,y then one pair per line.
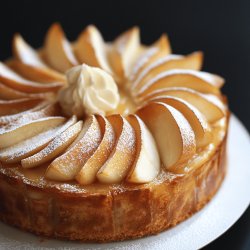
x,y
9,107
27,130
29,63
125,50
159,49
15,81
9,122
197,121
67,166
147,161
173,134
57,49
90,48
209,105
117,166
87,174
192,61
25,53
30,72
12,118
56,147
30,146
200,81
7,93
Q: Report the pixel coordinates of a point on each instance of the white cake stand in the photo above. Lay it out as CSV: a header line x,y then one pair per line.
x,y
202,228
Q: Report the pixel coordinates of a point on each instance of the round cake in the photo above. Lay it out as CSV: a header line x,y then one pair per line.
x,y
106,141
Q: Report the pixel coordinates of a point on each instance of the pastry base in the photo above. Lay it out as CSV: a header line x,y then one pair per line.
x,y
116,213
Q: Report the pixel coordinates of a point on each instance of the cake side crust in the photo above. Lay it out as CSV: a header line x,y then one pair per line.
x,y
119,214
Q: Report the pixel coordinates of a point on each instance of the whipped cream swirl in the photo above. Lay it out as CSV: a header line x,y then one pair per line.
x,y
90,90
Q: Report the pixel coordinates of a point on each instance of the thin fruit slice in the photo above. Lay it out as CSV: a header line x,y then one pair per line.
x,y
56,147
87,174
30,146
27,130
57,50
173,134
90,48
126,48
67,166
7,93
42,110
147,162
15,81
197,121
200,81
30,64
157,50
8,119
192,61
10,107
25,53
116,168
209,105
43,75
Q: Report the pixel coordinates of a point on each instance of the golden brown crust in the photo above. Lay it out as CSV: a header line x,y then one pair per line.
x,y
117,213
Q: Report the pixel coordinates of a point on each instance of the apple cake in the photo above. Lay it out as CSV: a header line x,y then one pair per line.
x,y
107,141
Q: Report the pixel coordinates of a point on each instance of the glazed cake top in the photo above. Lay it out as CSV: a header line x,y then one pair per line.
x,y
112,112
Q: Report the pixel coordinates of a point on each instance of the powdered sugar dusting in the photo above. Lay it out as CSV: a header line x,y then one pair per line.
x,y
32,145
5,119
7,73
55,147
13,122
70,163
119,162
208,78
187,133
143,59
158,63
127,138
90,139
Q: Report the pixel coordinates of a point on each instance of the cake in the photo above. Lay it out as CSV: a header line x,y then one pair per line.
x,y
107,141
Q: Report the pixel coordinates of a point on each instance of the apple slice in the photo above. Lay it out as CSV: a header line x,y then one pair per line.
x,y
197,121
67,166
7,93
90,48
27,130
125,50
117,166
25,53
56,147
87,174
57,49
159,49
147,161
29,63
15,81
163,44
6,120
209,105
192,61
30,72
10,107
200,81
173,134
30,146
44,109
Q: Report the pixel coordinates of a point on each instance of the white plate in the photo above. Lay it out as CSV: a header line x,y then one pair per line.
x,y
213,220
